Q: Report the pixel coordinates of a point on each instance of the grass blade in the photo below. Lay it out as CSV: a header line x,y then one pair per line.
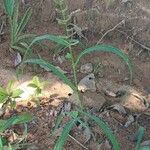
x,y
63,137
49,37
105,129
58,121
107,48
4,124
9,7
20,49
140,137
24,37
52,68
23,22
1,143
14,21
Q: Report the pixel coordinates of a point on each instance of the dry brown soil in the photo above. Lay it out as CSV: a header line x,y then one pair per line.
x,y
137,14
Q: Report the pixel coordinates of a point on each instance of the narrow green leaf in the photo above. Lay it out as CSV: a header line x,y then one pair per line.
x,y
1,144
23,22
49,37
57,122
14,21
63,137
73,114
105,129
52,68
23,118
107,48
19,49
24,37
9,7
140,137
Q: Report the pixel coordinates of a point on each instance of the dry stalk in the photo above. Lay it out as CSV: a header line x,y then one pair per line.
x,y
120,23
78,142
131,38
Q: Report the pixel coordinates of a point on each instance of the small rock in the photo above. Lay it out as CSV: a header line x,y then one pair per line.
x,y
87,83
129,121
18,59
145,143
86,68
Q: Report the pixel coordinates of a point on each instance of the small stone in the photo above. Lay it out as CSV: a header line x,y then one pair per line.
x,y
86,68
130,120
87,83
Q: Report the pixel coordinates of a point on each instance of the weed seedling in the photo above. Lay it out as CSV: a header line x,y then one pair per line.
x,y
69,43
19,40
8,95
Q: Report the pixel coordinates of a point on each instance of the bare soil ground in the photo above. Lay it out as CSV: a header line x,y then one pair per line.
x,y
133,38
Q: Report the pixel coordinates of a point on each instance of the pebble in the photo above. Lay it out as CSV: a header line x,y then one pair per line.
x,y
87,83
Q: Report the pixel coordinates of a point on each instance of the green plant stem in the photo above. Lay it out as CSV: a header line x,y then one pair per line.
x,y
11,32
72,59
75,77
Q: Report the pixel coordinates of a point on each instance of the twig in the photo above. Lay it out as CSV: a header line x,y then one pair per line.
x,y
78,142
120,23
143,46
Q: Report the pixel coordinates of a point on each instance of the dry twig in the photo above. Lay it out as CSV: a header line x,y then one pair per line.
x,y
143,46
78,142
120,23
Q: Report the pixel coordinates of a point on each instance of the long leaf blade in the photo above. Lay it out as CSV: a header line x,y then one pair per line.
x,y
9,7
14,21
49,37
107,48
52,68
105,129
4,124
24,37
140,137
63,137
24,21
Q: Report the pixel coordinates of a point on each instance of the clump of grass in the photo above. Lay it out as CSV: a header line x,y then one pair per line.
x,y
19,40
